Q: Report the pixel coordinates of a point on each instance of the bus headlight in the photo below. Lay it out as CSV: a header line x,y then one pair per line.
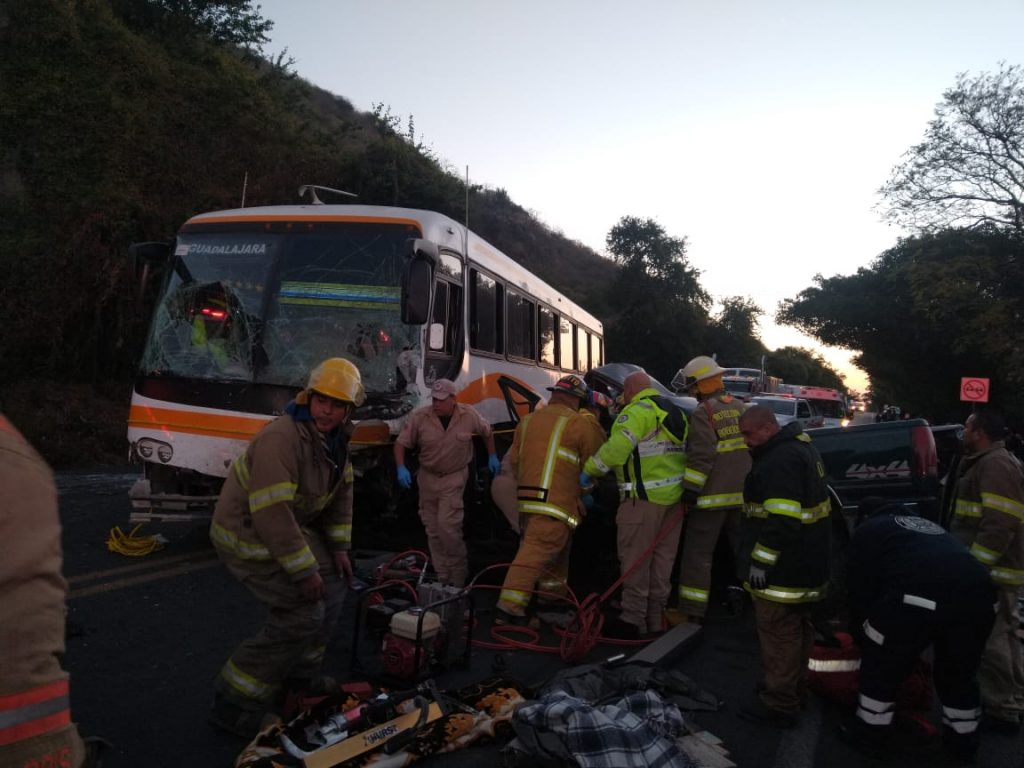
x,y
147,446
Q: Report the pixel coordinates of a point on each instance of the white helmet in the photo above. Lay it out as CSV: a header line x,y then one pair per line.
x,y
700,368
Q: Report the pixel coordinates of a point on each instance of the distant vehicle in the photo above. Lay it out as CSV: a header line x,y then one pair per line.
x,y
789,409
828,402
746,383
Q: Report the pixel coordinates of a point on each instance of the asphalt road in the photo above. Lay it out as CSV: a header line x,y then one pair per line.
x,y
148,635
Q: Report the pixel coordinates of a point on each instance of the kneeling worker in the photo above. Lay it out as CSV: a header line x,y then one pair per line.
x,y
911,585
283,527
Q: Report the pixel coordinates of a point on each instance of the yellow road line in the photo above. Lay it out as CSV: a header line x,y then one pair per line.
x,y
110,586
155,562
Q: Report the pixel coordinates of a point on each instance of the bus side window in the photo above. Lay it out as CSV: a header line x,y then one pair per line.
x,y
582,348
448,313
596,358
486,306
520,325
547,338
566,350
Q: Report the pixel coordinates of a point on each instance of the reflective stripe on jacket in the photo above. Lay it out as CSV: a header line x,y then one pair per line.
x,y
717,459
649,461
788,518
989,513
284,482
547,453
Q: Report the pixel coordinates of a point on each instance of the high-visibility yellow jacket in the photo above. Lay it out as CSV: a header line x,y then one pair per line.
x,y
548,451
989,513
648,459
717,459
284,482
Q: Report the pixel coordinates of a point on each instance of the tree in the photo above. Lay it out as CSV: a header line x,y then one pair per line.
x,y
796,365
234,22
926,312
733,333
658,306
969,169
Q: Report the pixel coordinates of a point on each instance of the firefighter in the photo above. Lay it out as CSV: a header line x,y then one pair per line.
x,y
911,585
989,518
443,431
787,543
35,718
646,450
548,451
283,527
717,461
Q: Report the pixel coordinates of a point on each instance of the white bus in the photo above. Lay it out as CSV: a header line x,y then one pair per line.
x,y
253,298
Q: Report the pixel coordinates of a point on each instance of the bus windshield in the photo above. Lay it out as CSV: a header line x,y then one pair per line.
x,y
264,303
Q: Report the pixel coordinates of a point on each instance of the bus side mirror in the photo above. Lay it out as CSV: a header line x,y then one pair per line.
x,y
147,258
418,280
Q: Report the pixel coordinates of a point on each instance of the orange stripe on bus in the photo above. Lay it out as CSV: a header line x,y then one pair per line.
x,y
189,422
487,386
233,427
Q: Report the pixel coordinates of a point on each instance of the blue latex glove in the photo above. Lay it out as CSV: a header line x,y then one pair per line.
x,y
494,464
588,501
585,481
404,477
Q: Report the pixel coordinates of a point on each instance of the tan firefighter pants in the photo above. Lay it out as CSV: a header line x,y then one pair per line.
x,y
700,537
645,591
291,644
786,635
442,510
1001,675
542,556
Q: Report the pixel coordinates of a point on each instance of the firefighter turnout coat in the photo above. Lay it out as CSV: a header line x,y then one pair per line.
x,y
35,718
286,480
787,527
717,462
989,518
646,450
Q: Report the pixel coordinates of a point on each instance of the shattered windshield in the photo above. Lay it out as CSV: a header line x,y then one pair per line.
x,y
247,303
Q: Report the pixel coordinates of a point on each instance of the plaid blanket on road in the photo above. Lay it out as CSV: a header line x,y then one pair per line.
x,y
637,731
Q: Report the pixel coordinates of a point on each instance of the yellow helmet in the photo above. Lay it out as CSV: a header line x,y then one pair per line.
x,y
700,368
337,378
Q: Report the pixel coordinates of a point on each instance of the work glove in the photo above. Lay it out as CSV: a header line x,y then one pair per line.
x,y
312,588
494,464
404,477
758,577
689,497
585,481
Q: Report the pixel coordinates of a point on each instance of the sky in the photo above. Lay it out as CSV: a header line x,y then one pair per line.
x,y
760,132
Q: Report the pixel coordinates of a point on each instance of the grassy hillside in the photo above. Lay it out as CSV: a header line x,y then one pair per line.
x,y
114,128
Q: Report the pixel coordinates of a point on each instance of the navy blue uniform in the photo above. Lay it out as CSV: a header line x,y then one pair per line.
x,y
912,585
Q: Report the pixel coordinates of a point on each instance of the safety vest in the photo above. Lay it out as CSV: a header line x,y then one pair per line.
x,y
646,450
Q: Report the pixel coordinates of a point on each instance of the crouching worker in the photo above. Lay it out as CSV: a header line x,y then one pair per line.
x,y
283,527
913,585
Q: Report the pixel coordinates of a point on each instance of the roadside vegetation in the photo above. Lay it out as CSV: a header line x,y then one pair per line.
x,y
122,118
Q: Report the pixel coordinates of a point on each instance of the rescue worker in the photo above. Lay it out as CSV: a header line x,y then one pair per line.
x,y
989,518
717,462
443,432
35,717
787,542
646,451
283,527
911,585
548,451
